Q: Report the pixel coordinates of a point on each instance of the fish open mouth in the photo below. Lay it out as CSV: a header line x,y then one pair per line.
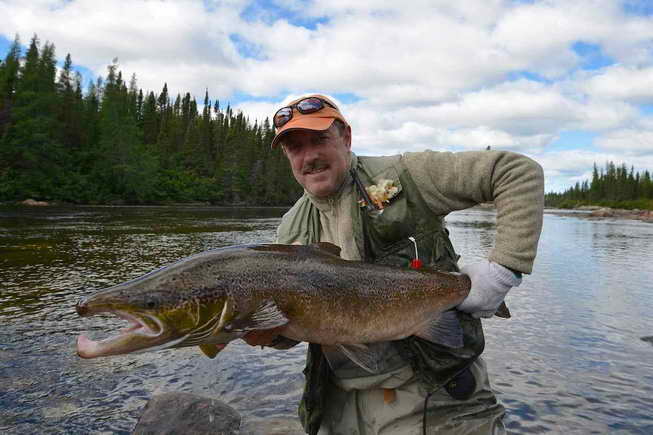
x,y
138,335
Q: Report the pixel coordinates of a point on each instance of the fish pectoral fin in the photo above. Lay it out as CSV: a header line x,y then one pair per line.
x,y
328,248
503,311
266,316
363,355
228,311
211,350
446,330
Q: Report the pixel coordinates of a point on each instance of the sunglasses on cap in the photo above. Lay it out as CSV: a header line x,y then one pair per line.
x,y
304,106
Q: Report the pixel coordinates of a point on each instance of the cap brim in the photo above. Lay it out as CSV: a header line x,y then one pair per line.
x,y
303,123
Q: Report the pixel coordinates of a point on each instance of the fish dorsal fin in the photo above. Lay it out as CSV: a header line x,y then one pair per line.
x,y
445,330
266,316
211,350
361,354
327,247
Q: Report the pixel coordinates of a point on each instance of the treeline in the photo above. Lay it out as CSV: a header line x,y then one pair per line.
x,y
113,143
612,186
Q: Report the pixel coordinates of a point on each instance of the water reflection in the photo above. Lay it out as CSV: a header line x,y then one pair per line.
x,y
570,360
575,357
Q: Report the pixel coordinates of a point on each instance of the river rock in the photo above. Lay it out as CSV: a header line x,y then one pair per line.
x,y
646,215
184,413
603,212
33,203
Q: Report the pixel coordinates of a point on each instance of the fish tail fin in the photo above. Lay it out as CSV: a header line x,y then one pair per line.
x,y
445,330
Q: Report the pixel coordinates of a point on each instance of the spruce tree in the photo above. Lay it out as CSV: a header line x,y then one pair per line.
x,y
8,81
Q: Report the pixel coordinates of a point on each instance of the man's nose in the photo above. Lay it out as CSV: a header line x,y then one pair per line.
x,y
312,152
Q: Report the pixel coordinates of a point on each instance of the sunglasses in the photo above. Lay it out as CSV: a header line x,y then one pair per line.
x,y
305,106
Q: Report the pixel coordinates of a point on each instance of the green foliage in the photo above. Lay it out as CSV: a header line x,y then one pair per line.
x,y
569,204
614,187
639,204
115,143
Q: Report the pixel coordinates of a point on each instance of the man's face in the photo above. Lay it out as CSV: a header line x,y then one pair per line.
x,y
319,159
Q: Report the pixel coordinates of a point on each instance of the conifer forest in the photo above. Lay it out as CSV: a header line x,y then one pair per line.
x,y
110,142
612,186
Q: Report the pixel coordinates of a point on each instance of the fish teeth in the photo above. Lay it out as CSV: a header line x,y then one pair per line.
x,y
136,325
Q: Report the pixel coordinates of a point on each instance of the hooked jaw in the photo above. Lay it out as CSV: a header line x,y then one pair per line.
x,y
153,329
138,335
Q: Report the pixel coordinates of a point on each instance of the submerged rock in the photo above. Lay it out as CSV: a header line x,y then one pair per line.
x,y
182,413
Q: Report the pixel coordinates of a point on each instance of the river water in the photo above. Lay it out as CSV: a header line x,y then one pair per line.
x,y
571,360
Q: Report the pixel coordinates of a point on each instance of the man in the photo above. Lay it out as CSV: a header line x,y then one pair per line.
x,y
421,386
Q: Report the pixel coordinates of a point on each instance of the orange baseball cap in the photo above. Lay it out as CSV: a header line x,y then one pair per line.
x,y
317,121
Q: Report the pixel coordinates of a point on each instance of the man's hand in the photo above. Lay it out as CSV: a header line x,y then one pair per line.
x,y
269,337
490,284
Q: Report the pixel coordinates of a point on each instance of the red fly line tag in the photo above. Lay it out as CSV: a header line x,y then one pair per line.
x,y
415,263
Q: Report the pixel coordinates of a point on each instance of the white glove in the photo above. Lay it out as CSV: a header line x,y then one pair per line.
x,y
490,284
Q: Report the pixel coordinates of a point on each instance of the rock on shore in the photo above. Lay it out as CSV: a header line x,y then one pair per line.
x,y
185,413
182,413
646,215
32,203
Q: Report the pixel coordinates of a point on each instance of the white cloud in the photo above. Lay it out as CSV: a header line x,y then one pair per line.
x,y
179,38
637,142
630,83
435,74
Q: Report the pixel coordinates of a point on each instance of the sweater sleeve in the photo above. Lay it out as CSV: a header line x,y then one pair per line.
x,y
514,182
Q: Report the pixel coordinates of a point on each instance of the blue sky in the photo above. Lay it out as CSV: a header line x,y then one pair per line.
x,y
567,83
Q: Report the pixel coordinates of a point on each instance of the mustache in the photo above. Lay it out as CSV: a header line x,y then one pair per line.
x,y
315,165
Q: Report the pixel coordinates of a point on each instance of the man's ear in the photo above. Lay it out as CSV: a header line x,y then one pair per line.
x,y
348,137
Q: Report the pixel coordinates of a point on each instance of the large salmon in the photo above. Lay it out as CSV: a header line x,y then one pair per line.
x,y
307,293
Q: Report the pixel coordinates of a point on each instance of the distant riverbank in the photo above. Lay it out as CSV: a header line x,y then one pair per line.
x,y
597,212
585,211
34,203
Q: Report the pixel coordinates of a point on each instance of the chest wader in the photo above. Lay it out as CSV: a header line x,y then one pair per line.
x,y
384,240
